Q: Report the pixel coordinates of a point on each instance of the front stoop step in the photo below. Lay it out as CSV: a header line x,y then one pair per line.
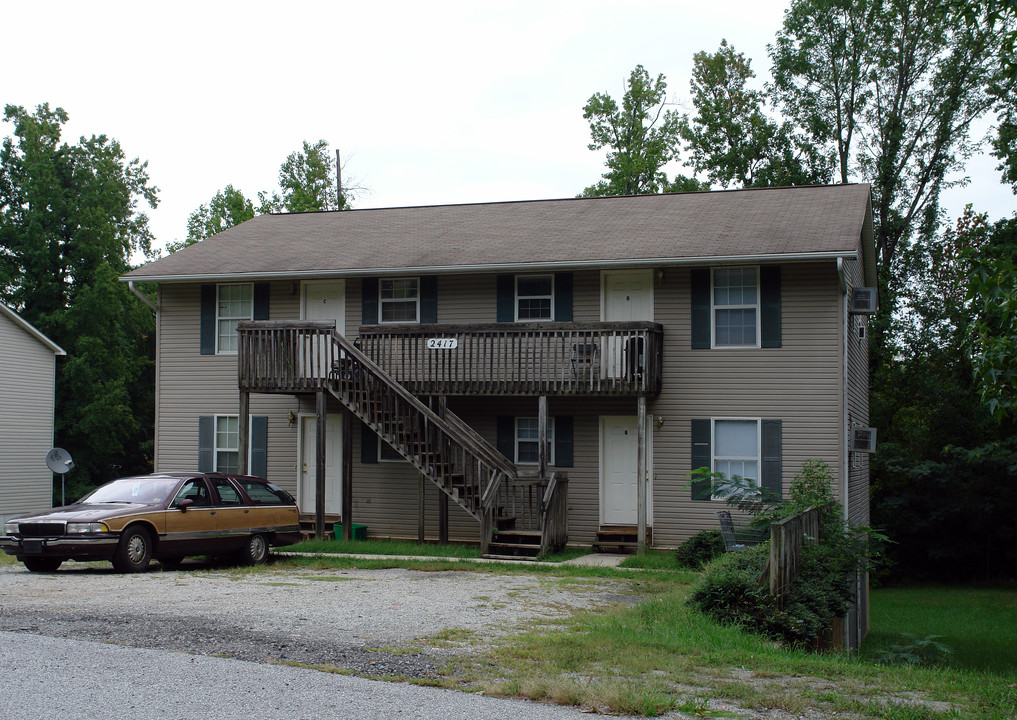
x,y
619,539
514,545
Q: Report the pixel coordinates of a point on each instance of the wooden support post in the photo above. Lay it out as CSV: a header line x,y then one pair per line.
x,y
641,474
442,518
244,442
319,470
420,509
347,475
542,436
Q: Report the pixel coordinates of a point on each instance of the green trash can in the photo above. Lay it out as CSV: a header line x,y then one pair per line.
x,y
359,531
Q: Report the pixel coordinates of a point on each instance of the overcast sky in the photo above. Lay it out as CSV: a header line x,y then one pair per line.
x,y
430,103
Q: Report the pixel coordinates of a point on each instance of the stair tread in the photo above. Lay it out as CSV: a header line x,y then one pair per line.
x,y
491,556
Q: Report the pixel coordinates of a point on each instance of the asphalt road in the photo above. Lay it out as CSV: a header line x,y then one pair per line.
x,y
46,677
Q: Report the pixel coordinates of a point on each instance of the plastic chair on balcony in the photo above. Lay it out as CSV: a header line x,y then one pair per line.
x,y
584,358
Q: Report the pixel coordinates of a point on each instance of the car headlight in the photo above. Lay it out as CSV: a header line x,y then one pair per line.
x,y
10,528
85,528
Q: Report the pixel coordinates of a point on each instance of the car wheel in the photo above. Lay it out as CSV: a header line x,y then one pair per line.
x,y
255,550
134,551
42,564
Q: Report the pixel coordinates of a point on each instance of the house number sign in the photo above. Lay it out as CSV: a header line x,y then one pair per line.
x,y
442,343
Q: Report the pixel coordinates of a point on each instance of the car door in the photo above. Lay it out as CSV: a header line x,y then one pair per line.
x,y
234,515
191,530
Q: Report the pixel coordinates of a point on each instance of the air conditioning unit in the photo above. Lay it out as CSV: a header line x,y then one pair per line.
x,y
864,301
863,439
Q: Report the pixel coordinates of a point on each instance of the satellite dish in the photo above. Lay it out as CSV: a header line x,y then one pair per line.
x,y
59,460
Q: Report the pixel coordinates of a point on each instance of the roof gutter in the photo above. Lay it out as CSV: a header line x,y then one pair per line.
x,y
502,267
141,296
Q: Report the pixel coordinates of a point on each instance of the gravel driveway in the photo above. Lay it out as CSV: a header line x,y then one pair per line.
x,y
372,622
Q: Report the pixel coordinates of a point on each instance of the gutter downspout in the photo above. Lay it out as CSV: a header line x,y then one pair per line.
x,y
845,452
148,301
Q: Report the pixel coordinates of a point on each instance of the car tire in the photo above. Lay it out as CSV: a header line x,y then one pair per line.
x,y
42,564
255,550
134,552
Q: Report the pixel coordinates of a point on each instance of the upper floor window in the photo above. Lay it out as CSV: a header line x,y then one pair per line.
x,y
736,307
528,440
399,299
534,297
235,302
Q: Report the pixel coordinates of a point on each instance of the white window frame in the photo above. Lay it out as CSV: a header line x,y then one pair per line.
x,y
233,319
516,440
382,300
714,307
549,296
215,442
758,459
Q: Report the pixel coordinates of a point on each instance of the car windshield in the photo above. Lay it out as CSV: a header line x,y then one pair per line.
x,y
143,491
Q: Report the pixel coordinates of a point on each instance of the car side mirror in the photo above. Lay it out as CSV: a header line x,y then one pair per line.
x,y
184,504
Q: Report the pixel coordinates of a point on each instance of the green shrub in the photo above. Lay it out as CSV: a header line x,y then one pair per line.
x,y
700,549
734,590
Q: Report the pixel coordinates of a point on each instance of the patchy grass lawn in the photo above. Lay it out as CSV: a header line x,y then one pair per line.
x,y
660,656
406,547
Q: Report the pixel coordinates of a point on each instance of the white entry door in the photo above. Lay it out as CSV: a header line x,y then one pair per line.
x,y
619,452
323,300
627,296
306,492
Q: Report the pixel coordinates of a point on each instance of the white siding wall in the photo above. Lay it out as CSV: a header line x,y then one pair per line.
x,y
27,376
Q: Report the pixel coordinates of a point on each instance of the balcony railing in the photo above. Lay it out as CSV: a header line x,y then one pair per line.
x,y
519,359
504,359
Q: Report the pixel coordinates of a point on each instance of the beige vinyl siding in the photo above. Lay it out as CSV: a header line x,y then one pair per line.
x,y
192,385
27,376
857,403
798,383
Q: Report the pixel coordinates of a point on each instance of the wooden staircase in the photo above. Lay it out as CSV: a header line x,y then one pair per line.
x,y
619,539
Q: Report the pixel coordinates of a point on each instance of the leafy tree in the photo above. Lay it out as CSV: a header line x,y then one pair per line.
x,y
642,137
902,77
991,287
309,179
227,208
68,226
731,139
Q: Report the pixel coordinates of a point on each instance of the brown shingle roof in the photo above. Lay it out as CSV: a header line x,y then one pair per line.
x,y
647,229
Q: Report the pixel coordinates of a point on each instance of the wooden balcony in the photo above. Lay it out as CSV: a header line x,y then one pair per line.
x,y
519,359
554,359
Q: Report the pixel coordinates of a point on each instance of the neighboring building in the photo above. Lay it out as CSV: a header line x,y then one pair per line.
x,y
27,382
721,319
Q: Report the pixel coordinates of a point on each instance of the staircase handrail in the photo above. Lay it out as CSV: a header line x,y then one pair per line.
x,y
494,458
472,442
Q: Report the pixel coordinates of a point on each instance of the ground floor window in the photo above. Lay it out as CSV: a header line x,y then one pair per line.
x,y
528,440
227,444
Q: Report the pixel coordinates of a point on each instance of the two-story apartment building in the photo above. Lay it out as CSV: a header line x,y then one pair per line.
x,y
641,337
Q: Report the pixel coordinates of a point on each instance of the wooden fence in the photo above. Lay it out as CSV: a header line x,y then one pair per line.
x,y
787,538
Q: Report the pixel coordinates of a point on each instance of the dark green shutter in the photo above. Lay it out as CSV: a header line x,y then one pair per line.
x,y
429,299
259,446
563,441
769,301
368,445
369,301
261,291
773,469
506,298
206,440
701,335
506,439
563,297
208,299
702,457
